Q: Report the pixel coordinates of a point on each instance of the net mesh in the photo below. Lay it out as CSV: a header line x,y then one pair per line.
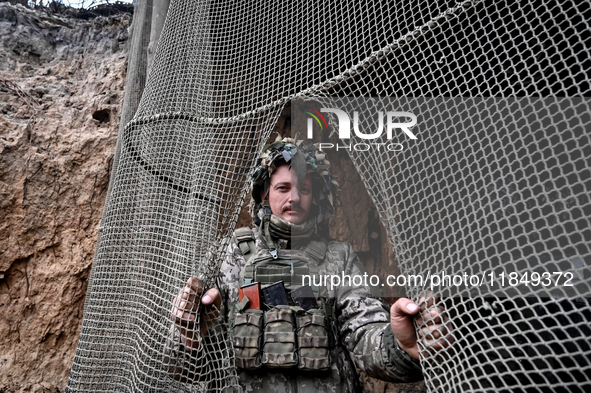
x,y
515,198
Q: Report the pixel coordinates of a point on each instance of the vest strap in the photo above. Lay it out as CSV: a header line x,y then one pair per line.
x,y
246,242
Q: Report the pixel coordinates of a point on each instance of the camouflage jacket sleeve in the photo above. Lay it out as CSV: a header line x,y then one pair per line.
x,y
364,322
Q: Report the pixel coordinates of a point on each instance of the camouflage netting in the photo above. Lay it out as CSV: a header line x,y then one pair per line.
x,y
504,187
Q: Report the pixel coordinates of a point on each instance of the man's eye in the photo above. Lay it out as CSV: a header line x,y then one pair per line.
x,y
306,191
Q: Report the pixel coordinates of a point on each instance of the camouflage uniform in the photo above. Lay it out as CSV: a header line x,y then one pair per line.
x,y
365,335
365,339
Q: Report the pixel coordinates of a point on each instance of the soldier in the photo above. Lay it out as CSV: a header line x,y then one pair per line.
x,y
291,347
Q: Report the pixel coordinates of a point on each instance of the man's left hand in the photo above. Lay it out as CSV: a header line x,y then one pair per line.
x,y
434,326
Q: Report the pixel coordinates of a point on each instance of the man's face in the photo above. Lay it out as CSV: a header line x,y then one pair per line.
x,y
287,198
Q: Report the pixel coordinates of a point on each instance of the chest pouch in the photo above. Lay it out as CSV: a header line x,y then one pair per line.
x,y
279,343
313,341
289,266
248,337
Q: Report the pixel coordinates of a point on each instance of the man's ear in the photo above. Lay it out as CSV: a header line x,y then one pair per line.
x,y
263,196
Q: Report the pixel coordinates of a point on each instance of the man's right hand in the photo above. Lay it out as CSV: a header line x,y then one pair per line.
x,y
191,307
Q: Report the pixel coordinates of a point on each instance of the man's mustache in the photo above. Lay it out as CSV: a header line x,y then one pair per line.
x,y
296,208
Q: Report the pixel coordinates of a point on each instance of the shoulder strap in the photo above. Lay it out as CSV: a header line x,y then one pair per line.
x,y
246,242
317,249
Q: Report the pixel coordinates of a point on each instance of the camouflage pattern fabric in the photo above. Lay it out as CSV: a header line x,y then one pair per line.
x,y
365,341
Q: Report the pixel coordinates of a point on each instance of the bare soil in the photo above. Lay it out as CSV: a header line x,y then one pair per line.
x,y
61,88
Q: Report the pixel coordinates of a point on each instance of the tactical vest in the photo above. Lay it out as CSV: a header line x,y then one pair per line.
x,y
283,336
270,266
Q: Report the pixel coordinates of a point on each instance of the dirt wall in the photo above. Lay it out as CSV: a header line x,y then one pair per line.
x,y
61,86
